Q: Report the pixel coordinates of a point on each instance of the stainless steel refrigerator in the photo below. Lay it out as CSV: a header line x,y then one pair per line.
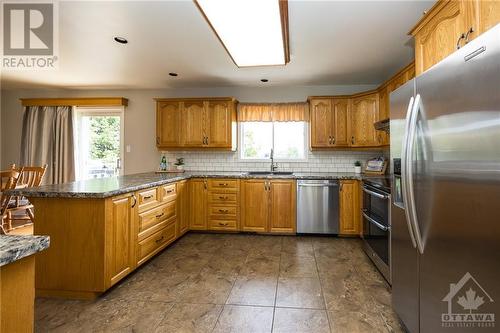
x,y
445,212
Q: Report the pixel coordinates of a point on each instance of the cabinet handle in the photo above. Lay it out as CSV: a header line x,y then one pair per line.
x,y
333,140
329,140
225,211
160,215
352,139
157,140
471,30
170,191
223,198
223,224
207,140
135,200
223,184
146,197
462,36
205,184
159,239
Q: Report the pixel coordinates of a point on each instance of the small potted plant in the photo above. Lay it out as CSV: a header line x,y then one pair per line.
x,y
180,164
357,167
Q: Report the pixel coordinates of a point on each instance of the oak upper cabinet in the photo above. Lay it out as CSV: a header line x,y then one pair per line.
x,y
182,207
364,113
196,123
283,206
488,14
198,204
254,205
193,123
329,122
349,207
321,122
220,123
120,237
168,122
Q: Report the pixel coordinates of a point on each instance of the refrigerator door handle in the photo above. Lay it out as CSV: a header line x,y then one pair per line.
x,y
417,105
404,172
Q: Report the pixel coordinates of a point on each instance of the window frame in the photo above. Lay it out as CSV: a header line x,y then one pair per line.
x,y
277,160
81,111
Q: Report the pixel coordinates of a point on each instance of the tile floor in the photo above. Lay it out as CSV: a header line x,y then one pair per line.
x,y
238,283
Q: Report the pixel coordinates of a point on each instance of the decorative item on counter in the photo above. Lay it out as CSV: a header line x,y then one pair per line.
x,y
180,164
357,167
376,166
163,162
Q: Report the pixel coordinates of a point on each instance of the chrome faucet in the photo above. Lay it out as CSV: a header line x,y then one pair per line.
x,y
274,166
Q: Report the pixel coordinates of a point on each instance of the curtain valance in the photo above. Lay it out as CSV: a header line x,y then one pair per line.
x,y
272,112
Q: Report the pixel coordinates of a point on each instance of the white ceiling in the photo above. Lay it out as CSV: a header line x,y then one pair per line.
x,y
331,43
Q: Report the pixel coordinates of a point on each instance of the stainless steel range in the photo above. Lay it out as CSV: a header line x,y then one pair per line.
x,y
376,223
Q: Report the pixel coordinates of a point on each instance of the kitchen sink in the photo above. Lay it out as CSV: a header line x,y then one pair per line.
x,y
265,173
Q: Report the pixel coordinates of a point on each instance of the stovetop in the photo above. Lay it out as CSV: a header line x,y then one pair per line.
x,y
382,182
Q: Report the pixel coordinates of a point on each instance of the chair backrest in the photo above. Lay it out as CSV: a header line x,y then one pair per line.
x,y
30,175
8,181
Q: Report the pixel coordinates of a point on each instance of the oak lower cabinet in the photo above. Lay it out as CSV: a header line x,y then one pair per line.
x,y
198,189
182,207
223,204
268,206
349,208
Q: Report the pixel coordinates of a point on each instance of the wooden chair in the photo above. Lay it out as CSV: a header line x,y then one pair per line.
x,y
20,209
8,181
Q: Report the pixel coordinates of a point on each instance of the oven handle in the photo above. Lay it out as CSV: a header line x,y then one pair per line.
x,y
377,224
375,194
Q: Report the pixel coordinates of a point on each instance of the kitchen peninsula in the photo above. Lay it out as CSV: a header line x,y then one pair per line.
x,y
103,229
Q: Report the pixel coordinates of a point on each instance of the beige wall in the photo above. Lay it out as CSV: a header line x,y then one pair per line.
x,y
140,114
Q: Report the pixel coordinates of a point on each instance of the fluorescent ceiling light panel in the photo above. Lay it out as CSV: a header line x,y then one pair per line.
x,y
251,30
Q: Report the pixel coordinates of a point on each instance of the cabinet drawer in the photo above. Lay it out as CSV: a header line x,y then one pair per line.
x,y
148,199
168,192
155,216
222,198
216,224
222,212
151,245
223,184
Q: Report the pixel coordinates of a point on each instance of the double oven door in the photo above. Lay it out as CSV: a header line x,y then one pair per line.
x,y
376,228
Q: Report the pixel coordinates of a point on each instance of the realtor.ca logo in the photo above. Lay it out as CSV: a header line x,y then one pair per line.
x,y
29,35
468,305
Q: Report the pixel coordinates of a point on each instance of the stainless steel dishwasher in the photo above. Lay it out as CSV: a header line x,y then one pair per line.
x,y
317,206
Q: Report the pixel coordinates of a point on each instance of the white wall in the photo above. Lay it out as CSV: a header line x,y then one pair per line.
x,y
140,120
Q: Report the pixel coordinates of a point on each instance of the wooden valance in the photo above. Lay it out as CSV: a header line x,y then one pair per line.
x,y
85,101
272,112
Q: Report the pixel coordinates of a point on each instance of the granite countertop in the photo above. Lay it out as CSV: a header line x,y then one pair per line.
x,y
108,187
15,247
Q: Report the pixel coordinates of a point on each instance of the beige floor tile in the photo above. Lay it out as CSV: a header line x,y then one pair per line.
x,y
245,319
300,321
205,287
262,265
253,290
190,318
297,246
52,314
299,293
359,322
297,266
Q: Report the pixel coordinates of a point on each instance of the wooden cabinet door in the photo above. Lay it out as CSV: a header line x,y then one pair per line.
x,y
120,238
363,115
254,205
219,122
193,131
340,120
349,208
438,36
283,206
321,123
168,124
488,15
182,207
383,113
198,204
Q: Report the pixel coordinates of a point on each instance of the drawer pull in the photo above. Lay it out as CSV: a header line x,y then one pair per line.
x,y
146,197
169,191
223,224
223,184
160,215
159,239
223,198
225,211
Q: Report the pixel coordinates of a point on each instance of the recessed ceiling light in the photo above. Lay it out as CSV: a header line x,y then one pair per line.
x,y
264,80
173,74
254,33
120,40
